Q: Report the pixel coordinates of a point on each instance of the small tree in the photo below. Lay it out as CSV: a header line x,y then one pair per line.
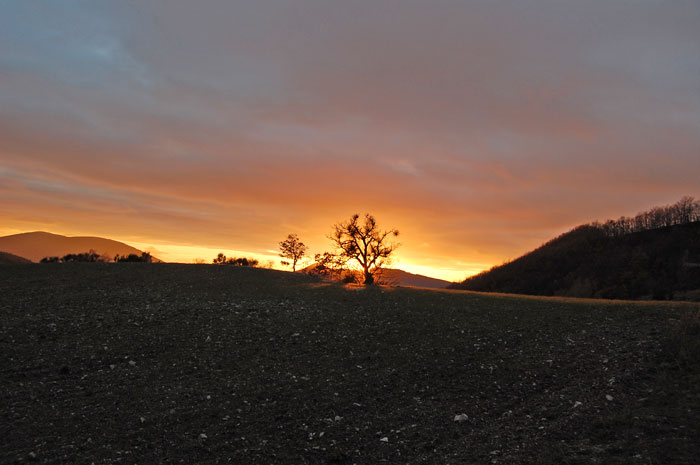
x,y
90,256
364,243
242,261
329,265
145,257
221,259
292,249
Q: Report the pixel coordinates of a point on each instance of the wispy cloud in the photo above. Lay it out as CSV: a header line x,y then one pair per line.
x,y
479,128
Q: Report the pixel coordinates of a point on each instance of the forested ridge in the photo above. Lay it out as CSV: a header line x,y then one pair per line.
x,y
654,255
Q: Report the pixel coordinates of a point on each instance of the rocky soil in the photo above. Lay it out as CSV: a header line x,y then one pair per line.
x,y
156,363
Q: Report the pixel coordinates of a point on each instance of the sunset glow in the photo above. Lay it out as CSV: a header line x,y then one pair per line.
x,y
477,129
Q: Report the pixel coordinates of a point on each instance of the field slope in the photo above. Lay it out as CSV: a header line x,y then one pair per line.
x,y
138,363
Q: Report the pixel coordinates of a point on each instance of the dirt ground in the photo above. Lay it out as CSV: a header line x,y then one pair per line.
x,y
158,363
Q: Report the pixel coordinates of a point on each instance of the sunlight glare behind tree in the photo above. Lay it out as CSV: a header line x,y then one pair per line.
x,y
364,243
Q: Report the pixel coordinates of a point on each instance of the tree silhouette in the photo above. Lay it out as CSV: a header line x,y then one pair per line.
x,y
90,256
145,257
364,243
685,211
329,265
243,261
293,249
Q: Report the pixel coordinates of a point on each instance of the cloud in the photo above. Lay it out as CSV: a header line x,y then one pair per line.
x,y
481,128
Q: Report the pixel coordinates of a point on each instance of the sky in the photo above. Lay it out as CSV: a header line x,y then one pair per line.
x,y
478,129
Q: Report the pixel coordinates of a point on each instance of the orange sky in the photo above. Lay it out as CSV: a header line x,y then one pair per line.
x,y
478,129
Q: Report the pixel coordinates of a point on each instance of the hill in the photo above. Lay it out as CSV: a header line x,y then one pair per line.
x,y
37,245
212,364
8,258
662,263
396,277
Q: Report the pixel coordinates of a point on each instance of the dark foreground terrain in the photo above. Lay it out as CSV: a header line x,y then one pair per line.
x,y
136,363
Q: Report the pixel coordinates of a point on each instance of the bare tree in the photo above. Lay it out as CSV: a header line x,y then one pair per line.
x,y
686,210
329,265
364,243
292,249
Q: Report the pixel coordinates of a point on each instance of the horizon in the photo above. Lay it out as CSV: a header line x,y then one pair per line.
x,y
685,211
478,130
184,254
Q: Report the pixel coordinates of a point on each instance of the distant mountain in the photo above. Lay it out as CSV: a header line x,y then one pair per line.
x,y
11,259
37,245
396,277
403,278
595,261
